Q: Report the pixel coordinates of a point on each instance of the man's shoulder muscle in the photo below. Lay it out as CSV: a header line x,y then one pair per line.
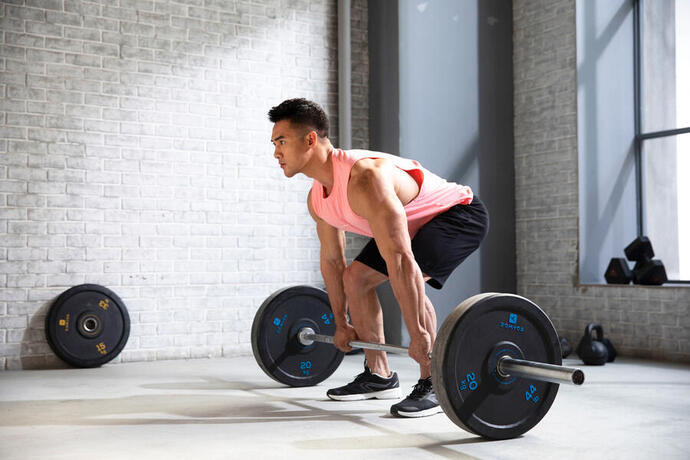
x,y
367,168
371,181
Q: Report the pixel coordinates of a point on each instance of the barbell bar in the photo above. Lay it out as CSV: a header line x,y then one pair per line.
x,y
307,336
505,365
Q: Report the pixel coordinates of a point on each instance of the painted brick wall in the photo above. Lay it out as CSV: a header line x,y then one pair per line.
x,y
134,153
651,322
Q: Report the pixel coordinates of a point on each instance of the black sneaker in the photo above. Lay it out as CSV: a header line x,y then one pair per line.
x,y
421,402
367,386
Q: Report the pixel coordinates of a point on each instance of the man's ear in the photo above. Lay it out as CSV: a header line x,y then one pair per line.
x,y
312,138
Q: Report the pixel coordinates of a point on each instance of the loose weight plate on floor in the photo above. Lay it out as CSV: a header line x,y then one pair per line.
x,y
274,336
471,340
87,325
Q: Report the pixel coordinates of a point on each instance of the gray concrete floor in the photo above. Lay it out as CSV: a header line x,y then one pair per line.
x,y
227,408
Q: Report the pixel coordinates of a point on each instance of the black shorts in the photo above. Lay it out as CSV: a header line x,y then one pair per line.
x,y
441,244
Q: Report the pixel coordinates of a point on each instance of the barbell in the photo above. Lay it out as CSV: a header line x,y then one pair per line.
x,y
495,365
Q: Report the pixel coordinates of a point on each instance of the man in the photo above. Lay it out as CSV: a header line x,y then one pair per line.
x,y
422,227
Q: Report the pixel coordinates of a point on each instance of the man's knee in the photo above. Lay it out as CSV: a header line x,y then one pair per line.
x,y
359,279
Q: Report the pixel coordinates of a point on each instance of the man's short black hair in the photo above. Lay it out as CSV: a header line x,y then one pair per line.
x,y
303,112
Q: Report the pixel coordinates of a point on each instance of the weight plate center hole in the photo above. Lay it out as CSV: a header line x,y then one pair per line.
x,y
90,325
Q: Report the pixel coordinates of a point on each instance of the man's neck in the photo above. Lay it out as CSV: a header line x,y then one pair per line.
x,y
321,166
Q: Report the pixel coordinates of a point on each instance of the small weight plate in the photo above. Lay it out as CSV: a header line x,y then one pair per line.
x,y
87,325
274,337
473,337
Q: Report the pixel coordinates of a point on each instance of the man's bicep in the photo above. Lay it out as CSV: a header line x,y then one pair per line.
x,y
332,242
332,239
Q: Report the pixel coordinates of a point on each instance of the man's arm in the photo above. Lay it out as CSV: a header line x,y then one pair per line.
x,y
372,195
333,265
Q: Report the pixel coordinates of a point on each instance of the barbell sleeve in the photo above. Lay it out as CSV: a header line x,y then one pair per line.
x,y
505,366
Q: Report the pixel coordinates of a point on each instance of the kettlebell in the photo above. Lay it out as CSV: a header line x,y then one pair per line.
x,y
611,349
566,348
590,350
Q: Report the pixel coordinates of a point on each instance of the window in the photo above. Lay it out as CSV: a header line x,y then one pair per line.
x,y
661,47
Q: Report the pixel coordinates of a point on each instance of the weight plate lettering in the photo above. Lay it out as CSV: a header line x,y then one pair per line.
x,y
274,337
87,325
474,336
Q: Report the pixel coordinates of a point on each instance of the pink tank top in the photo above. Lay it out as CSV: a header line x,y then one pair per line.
x,y
436,195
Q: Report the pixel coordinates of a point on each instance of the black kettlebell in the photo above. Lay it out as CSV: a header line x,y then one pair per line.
x,y
611,349
590,350
566,348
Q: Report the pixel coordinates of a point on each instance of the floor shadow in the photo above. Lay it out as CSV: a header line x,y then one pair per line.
x,y
435,443
239,403
167,409
212,383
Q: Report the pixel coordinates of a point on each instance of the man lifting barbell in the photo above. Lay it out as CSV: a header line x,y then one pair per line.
x,y
422,227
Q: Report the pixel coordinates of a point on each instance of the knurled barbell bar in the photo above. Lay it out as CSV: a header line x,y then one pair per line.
x,y
495,363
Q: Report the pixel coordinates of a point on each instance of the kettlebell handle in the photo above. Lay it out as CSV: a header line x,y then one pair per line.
x,y
595,327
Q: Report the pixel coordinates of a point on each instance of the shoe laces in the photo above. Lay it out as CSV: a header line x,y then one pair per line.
x,y
421,389
366,375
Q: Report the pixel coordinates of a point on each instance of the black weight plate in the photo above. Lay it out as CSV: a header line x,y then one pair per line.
x,y
274,337
87,325
470,392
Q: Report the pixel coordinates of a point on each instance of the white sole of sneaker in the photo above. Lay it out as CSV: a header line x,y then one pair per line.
x,y
421,413
393,393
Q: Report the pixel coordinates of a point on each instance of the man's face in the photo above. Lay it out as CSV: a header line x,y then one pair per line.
x,y
291,146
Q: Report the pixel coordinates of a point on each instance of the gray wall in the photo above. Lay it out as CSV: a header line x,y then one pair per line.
x,y
453,83
641,321
134,153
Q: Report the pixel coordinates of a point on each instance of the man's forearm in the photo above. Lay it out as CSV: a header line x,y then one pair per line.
x,y
332,273
408,286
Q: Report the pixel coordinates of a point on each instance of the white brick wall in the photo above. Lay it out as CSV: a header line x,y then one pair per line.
x,y
651,322
134,153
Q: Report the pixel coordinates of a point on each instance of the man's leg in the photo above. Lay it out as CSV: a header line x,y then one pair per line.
x,y
377,381
360,283
367,317
422,401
